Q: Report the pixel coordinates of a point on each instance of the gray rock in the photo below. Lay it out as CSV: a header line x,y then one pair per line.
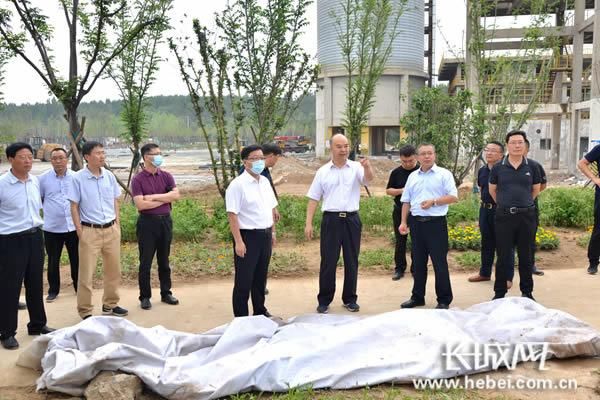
x,y
110,385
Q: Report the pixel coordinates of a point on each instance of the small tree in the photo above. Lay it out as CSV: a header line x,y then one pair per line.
x,y
135,71
209,87
93,39
450,123
366,30
270,66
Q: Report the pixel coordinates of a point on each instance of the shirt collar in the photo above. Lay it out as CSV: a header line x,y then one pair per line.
x,y
249,178
332,165
148,173
90,175
433,168
67,173
505,160
13,179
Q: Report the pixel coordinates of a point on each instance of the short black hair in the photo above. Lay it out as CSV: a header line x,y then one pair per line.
x,y
88,147
249,149
271,148
59,149
407,151
497,143
12,149
515,132
147,147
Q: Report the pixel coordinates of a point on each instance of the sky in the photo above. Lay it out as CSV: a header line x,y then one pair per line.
x,y
22,85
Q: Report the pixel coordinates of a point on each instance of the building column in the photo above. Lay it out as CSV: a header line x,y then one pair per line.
x,y
595,81
472,73
576,78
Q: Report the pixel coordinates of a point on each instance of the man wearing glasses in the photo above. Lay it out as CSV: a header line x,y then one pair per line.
x,y
251,204
153,191
395,187
59,229
514,184
493,153
21,246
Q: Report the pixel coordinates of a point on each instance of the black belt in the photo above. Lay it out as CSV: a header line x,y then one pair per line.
x,y
266,230
427,219
489,206
22,233
341,214
518,210
99,226
155,216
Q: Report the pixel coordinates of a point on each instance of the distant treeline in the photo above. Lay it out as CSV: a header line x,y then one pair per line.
x,y
171,119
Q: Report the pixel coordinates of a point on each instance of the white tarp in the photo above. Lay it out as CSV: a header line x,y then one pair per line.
x,y
333,351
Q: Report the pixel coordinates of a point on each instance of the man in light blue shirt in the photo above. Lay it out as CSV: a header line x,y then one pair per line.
x,y
59,229
21,246
427,193
95,210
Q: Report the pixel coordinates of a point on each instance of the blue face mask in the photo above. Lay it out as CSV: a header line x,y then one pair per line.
x,y
157,160
258,166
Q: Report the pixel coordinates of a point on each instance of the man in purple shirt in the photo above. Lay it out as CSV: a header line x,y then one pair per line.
x,y
153,192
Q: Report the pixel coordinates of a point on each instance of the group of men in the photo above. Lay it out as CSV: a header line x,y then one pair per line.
x,y
81,211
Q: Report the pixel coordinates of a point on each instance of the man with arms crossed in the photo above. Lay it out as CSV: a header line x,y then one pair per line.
x,y
153,192
95,210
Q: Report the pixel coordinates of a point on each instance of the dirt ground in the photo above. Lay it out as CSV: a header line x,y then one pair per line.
x,y
206,302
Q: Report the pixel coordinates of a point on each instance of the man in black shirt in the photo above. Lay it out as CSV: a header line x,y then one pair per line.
x,y
514,184
395,187
593,156
493,153
543,183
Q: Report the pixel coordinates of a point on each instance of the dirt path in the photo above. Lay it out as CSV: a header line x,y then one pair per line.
x,y
206,305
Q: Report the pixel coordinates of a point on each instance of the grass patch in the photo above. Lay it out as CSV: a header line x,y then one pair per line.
x,y
373,258
567,207
468,260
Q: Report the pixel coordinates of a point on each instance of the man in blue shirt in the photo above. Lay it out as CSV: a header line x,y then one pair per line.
x,y
593,156
427,193
95,210
59,229
21,246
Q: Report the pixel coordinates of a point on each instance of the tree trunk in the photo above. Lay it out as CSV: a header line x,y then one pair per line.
x,y
74,129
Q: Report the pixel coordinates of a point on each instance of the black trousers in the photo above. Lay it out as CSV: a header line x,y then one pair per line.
x,y
251,272
21,259
339,232
154,235
400,250
54,244
430,239
511,230
533,247
487,229
594,246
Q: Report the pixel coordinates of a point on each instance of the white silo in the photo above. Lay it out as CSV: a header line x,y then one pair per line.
x,y
404,72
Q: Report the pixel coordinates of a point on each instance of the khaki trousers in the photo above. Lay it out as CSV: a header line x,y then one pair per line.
x,y
92,243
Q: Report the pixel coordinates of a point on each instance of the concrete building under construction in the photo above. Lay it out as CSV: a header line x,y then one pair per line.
x,y
409,67
566,121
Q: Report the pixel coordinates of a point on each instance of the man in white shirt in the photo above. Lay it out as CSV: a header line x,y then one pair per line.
x,y
338,184
426,196
59,229
21,246
251,205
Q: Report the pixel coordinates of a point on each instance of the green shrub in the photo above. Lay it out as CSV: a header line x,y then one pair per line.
x,y
567,207
219,222
293,217
468,237
128,215
464,211
189,220
376,214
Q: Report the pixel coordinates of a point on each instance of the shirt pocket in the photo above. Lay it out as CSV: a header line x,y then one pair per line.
x,y
107,192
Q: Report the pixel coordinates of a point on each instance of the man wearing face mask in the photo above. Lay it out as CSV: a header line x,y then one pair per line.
x,y
251,206
153,192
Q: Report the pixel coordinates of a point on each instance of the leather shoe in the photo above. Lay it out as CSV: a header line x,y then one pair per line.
x,y
10,343
397,275
145,304
51,297
442,306
45,329
479,278
592,269
322,309
537,271
528,295
498,296
170,299
411,303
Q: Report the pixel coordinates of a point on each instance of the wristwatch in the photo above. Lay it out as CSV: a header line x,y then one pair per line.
x,y
434,202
